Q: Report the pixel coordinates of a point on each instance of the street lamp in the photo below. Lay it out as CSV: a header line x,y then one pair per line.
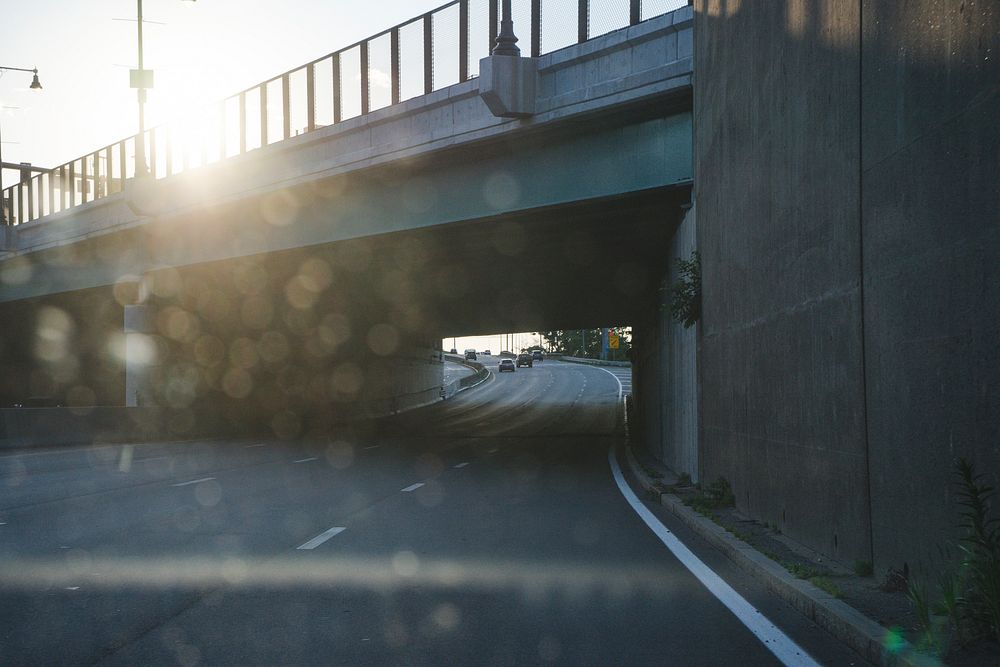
x,y
35,85
141,79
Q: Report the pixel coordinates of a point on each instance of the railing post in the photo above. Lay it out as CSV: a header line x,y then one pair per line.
x,y
222,131
463,40
109,171
168,146
72,184
97,176
52,191
428,54
494,25
310,97
31,198
263,115
634,14
583,21
338,103
152,152
536,28
394,64
286,107
122,160
243,122
365,87
84,190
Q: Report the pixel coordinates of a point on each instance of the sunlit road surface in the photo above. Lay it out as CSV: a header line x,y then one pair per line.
x,y
484,530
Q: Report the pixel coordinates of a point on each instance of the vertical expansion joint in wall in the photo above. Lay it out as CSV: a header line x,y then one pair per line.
x,y
861,280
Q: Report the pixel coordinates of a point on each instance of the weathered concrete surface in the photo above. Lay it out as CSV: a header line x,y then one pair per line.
x,y
777,191
679,368
665,381
931,221
848,211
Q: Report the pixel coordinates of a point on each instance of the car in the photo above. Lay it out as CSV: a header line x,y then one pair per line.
x,y
524,359
453,351
536,355
470,354
506,365
486,353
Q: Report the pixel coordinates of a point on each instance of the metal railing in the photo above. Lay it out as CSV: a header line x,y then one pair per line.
x,y
432,51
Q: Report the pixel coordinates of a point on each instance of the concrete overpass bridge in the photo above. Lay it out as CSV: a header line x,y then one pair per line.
x,y
268,270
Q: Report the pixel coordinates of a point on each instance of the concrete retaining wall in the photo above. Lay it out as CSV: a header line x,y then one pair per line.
x,y
847,215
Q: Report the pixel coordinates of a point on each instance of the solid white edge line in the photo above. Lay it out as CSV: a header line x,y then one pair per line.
x,y
322,537
615,377
776,641
461,465
194,481
311,458
411,487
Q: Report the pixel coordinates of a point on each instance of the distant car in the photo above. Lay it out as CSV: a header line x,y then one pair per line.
x,y
537,355
486,353
470,354
506,365
505,353
453,351
524,359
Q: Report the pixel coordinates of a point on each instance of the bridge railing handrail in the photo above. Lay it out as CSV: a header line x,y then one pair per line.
x,y
104,171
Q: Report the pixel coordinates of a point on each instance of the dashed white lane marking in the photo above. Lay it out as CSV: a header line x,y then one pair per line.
x,y
776,641
194,481
372,447
3,523
461,465
412,487
72,588
493,451
311,458
259,444
322,537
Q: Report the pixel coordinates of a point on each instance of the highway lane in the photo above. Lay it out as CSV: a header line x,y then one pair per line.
x,y
483,530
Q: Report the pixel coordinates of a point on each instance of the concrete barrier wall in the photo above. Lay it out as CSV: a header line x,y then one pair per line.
x,y
595,362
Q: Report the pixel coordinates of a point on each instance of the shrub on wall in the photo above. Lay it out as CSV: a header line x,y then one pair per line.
x,y
685,293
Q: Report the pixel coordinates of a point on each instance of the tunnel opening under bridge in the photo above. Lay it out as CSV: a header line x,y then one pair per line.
x,y
295,342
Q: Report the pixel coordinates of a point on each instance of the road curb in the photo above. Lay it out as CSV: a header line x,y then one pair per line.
x,y
845,623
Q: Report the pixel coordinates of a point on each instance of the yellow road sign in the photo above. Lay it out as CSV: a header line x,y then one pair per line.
x,y
612,341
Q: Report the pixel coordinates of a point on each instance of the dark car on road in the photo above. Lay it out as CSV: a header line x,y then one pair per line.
x,y
470,354
536,355
506,365
524,359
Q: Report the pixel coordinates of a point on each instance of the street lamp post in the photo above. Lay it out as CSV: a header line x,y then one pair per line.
x,y
141,79
35,85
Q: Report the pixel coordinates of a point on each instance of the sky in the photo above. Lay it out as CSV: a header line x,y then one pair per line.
x,y
200,51
495,343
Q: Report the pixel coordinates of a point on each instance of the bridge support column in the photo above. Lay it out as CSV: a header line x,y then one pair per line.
x,y
140,355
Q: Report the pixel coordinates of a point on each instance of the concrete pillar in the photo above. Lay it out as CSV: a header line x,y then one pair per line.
x,y
140,355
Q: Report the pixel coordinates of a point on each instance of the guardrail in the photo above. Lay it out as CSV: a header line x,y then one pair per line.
x,y
429,52
481,375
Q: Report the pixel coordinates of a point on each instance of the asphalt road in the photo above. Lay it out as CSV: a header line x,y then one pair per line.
x,y
484,530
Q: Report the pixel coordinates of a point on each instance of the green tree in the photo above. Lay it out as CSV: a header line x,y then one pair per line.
x,y
586,342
